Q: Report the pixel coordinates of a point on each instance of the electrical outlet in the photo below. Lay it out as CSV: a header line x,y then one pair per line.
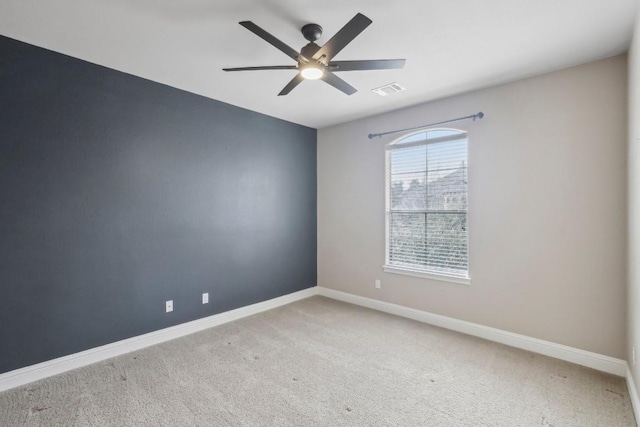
x,y
377,284
205,298
169,306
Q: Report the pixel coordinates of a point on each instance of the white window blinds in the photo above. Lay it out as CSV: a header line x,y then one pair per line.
x,y
427,203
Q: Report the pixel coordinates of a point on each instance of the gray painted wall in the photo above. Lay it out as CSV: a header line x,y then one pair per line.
x,y
117,193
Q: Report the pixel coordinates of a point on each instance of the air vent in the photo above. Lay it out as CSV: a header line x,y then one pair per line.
x,y
389,89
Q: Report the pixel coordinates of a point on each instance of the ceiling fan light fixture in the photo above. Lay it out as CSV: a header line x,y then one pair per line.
x,y
312,72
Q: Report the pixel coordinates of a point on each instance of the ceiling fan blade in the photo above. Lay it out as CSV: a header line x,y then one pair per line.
x,y
338,83
286,49
343,37
268,67
292,84
374,64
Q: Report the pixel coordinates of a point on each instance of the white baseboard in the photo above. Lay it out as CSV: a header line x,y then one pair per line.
x,y
46,369
580,357
596,361
633,394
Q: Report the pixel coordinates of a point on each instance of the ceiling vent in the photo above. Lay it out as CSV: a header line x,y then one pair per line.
x,y
389,89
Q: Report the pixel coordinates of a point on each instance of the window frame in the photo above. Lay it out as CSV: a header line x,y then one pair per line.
x,y
397,144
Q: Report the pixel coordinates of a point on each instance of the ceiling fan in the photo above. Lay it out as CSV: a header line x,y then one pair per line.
x,y
315,62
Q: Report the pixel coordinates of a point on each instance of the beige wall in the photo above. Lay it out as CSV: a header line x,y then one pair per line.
x,y
633,319
547,216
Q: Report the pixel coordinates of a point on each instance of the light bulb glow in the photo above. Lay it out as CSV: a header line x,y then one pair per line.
x,y
312,72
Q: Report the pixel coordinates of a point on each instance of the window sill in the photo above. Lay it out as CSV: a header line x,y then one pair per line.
x,y
425,275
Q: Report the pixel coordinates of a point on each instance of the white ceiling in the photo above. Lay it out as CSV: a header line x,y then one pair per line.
x,y
451,46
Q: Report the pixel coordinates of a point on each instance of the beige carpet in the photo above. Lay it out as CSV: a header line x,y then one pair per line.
x,y
319,362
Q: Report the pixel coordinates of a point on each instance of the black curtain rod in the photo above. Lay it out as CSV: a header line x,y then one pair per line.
x,y
473,116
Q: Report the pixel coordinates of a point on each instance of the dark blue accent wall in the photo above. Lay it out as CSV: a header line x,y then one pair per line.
x,y
118,193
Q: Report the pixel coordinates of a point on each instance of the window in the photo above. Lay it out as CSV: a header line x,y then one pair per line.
x,y
426,205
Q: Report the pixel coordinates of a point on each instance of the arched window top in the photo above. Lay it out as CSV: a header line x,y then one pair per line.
x,y
428,136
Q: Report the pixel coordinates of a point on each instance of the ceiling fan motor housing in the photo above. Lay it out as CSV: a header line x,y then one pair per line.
x,y
309,50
